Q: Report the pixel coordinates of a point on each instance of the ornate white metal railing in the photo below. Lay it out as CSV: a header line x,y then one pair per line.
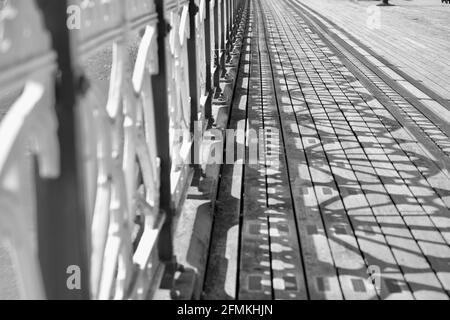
x,y
27,131
119,143
117,116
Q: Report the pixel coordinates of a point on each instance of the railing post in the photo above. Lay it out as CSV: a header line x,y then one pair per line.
x,y
193,66
217,44
160,83
232,15
62,228
229,21
208,49
223,40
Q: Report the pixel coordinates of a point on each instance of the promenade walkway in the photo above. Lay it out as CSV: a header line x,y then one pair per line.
x,y
412,35
358,207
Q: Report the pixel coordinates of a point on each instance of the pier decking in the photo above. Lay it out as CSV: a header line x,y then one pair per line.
x,y
357,205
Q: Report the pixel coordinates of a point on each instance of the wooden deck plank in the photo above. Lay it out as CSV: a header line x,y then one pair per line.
x,y
222,277
322,281
255,274
349,262
287,266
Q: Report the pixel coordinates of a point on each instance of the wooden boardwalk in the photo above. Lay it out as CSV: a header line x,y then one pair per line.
x,y
413,34
350,196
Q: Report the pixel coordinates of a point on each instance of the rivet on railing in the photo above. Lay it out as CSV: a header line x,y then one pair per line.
x,y
168,27
83,84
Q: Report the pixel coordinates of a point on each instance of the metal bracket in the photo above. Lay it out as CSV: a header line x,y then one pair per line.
x,y
193,8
